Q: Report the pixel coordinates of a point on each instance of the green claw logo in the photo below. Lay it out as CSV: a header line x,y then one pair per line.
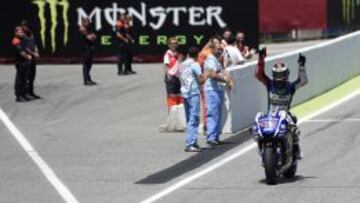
x,y
53,6
349,10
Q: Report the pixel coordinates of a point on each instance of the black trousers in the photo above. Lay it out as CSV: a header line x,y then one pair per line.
x,y
87,60
31,75
21,78
124,57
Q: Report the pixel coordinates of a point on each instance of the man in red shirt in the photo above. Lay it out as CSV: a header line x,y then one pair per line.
x,y
172,60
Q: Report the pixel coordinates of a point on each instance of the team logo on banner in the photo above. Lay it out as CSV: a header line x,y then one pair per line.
x,y
53,6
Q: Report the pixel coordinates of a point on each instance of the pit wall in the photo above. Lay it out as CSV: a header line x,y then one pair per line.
x,y
328,65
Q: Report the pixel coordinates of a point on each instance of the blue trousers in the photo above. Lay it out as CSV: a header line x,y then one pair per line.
x,y
214,102
192,112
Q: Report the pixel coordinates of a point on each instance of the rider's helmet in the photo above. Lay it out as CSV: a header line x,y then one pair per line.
x,y
280,72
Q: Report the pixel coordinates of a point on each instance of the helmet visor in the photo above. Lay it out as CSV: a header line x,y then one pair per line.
x,y
282,75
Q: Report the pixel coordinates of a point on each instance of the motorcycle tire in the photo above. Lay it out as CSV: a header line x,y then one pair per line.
x,y
270,166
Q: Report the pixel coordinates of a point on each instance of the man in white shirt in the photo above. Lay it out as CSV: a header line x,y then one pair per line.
x,y
233,55
246,51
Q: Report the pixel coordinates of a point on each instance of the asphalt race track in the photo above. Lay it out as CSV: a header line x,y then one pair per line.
x,y
103,143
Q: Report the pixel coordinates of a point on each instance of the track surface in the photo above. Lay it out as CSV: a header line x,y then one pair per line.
x,y
103,143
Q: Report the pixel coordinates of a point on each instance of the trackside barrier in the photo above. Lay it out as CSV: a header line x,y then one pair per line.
x,y
328,65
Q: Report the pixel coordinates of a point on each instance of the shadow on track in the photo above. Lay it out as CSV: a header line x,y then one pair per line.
x,y
296,178
195,161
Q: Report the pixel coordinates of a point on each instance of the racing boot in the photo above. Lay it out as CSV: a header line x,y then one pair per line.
x,y
296,145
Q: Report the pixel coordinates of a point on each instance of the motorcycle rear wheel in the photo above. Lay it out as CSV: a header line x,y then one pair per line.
x,y
290,173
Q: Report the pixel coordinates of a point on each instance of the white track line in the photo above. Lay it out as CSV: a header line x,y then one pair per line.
x,y
60,187
347,120
248,146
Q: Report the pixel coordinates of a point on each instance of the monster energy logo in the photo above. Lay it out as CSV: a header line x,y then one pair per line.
x,y
53,6
349,10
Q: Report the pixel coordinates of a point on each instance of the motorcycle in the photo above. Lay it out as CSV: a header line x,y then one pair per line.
x,y
275,141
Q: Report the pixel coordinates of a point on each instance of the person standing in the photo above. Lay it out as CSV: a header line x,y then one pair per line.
x,y
214,92
129,45
22,63
171,61
204,53
246,52
191,78
232,55
226,35
31,48
124,43
89,39
120,40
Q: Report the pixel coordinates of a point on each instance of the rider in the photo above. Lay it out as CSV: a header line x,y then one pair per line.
x,y
281,91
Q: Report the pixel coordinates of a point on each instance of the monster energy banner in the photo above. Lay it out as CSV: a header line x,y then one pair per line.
x,y
344,14
55,23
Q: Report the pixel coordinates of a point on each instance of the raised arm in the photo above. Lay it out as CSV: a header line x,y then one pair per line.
x,y
302,76
259,71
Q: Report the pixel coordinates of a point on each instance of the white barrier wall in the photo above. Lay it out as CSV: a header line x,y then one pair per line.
x,y
328,65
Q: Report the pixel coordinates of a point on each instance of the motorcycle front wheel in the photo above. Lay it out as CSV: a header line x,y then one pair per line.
x,y
270,166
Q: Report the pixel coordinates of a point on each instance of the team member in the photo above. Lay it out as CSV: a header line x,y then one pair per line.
x,y
89,39
232,56
246,52
129,45
172,60
120,40
22,63
226,35
124,42
214,92
31,48
281,91
204,53
191,78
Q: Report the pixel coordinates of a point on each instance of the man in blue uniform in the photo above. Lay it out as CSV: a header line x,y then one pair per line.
x,y
191,78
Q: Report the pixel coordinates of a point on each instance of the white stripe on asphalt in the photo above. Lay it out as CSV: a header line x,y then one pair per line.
x,y
248,146
60,187
348,120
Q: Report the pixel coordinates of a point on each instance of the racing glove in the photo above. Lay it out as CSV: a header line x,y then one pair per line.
x,y
301,60
262,52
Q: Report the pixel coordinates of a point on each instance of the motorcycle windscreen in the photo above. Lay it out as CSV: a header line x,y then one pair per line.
x,y
268,125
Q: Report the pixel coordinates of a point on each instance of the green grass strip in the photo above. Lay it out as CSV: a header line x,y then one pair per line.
x,y
327,98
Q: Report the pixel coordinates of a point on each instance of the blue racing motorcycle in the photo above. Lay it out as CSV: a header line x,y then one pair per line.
x,y
275,142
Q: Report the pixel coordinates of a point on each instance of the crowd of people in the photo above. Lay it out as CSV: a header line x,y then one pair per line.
x,y
205,82
199,82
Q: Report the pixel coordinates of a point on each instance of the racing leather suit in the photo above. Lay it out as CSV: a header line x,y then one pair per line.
x,y
280,96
